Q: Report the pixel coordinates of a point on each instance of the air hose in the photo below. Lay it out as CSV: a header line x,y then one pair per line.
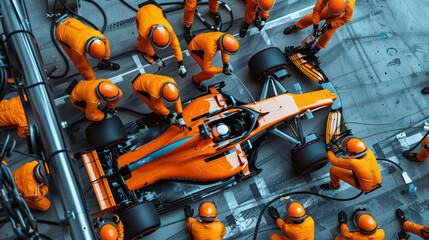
x,y
57,45
295,193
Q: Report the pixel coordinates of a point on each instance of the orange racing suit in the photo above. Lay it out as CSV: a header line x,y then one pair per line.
x,y
320,12
150,15
148,87
203,48
356,235
423,154
190,5
250,11
295,231
32,191
12,115
205,231
417,229
73,36
362,173
84,97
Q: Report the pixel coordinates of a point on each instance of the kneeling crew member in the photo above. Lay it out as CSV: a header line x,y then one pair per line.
x,y
203,48
77,40
155,30
108,230
153,89
188,15
367,227
87,94
297,225
252,7
359,170
32,186
208,227
419,230
335,12
12,115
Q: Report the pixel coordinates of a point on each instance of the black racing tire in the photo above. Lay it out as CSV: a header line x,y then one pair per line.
x,y
139,219
309,157
267,61
105,133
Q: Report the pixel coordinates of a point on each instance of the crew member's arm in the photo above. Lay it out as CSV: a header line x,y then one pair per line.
x,y
225,57
106,42
189,223
175,45
111,104
338,22
178,106
317,10
92,113
43,191
346,163
207,64
223,230
346,232
158,104
282,225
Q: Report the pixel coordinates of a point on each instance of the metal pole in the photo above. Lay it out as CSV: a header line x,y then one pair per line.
x,y
50,135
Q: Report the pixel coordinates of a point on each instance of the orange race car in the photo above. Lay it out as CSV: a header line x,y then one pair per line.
x,y
218,150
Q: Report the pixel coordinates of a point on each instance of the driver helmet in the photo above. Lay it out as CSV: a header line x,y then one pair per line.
x,y
220,131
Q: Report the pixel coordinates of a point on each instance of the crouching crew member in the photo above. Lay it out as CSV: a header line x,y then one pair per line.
x,y
360,169
335,12
203,48
108,230
31,183
189,13
250,12
153,89
422,155
208,226
87,94
77,40
298,225
12,115
419,230
367,227
155,30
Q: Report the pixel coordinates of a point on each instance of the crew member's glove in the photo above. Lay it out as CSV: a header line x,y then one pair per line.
x,y
116,219
329,146
402,235
342,217
108,110
188,211
160,64
315,31
325,28
226,69
272,211
180,122
172,118
182,69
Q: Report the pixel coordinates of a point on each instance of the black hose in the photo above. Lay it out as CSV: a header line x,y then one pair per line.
x,y
45,236
79,16
390,161
57,46
427,133
129,5
102,13
49,222
294,193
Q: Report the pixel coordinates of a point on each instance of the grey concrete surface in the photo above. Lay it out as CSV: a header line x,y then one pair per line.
x,y
378,63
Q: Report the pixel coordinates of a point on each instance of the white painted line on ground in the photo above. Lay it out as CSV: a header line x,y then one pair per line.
x,y
262,186
283,19
265,37
138,63
118,79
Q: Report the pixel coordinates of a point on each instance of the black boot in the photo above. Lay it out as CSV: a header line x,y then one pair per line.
x,y
290,29
425,90
328,186
314,50
216,18
410,156
243,29
108,65
400,216
201,86
188,34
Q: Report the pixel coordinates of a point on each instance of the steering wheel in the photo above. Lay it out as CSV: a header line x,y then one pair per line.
x,y
238,126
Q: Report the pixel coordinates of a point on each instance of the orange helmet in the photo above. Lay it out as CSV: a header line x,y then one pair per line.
x,y
228,43
265,5
295,211
107,91
159,36
365,222
207,211
354,147
106,230
96,47
336,7
170,92
220,131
